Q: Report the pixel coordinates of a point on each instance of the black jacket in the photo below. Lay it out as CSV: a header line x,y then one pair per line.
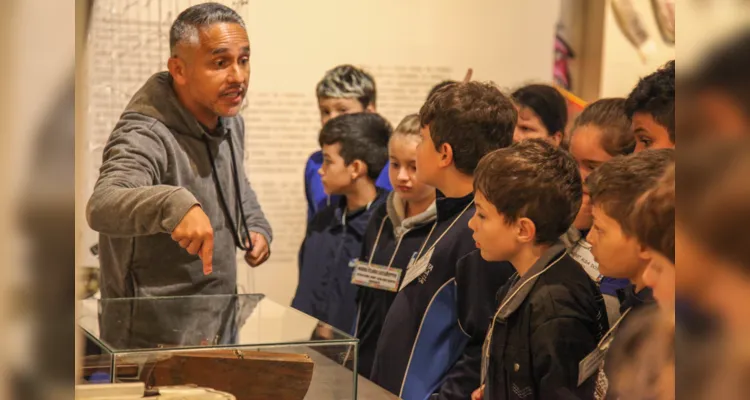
x,y
325,290
544,331
432,336
374,303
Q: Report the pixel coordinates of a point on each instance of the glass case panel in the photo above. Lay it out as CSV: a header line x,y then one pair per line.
x,y
246,345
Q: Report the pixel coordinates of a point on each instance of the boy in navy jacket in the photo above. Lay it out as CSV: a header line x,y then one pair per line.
x,y
354,150
615,187
550,314
431,339
344,89
397,230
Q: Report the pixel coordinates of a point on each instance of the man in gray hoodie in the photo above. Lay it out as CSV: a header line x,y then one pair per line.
x,y
172,200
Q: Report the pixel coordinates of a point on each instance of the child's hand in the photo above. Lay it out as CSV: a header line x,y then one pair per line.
x,y
478,394
324,332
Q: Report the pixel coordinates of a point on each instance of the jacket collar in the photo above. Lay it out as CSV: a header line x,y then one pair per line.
x,y
351,219
630,299
448,207
525,284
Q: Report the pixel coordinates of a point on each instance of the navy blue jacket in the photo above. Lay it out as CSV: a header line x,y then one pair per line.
x,y
325,290
554,320
317,199
374,303
626,336
432,337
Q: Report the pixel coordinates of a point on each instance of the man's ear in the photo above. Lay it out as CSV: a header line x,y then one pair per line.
x,y
526,230
371,108
446,155
177,68
358,169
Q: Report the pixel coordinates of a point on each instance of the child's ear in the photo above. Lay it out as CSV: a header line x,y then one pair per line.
x,y
526,230
358,169
446,155
644,253
557,138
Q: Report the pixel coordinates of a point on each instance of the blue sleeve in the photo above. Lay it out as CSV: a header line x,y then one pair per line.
x,y
478,282
384,181
314,193
610,286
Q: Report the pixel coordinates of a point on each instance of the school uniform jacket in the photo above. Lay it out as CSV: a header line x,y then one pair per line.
x,y
406,235
333,239
433,333
544,331
627,336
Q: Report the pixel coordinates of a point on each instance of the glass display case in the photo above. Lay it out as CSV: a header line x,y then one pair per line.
x,y
246,345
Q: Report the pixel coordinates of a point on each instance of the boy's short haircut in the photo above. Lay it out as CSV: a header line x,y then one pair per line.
x,y
409,126
347,81
609,116
536,180
363,136
715,196
654,95
473,118
616,185
547,103
653,218
438,87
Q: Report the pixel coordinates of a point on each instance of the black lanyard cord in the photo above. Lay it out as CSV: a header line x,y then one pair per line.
x,y
224,205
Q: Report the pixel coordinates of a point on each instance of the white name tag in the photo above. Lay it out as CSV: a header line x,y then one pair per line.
x,y
582,254
592,363
375,276
417,267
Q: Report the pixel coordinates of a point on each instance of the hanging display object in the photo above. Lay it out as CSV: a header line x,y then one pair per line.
x,y
665,17
631,24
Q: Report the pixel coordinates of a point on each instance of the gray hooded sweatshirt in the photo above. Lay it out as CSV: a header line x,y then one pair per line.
x,y
156,167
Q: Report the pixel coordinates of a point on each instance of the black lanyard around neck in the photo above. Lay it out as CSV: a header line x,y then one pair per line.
x,y
224,205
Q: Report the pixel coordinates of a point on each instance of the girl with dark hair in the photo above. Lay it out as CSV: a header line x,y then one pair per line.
x,y
542,113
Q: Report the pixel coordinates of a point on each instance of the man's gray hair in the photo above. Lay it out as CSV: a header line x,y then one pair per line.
x,y
347,81
187,24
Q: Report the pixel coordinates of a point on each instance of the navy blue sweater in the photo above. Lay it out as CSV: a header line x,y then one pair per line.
x,y
432,336
374,303
325,290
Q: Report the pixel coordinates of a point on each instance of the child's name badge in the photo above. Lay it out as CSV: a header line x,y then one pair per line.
x,y
592,363
582,254
417,266
375,276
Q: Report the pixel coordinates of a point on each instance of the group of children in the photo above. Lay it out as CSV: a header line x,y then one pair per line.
x,y
502,255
